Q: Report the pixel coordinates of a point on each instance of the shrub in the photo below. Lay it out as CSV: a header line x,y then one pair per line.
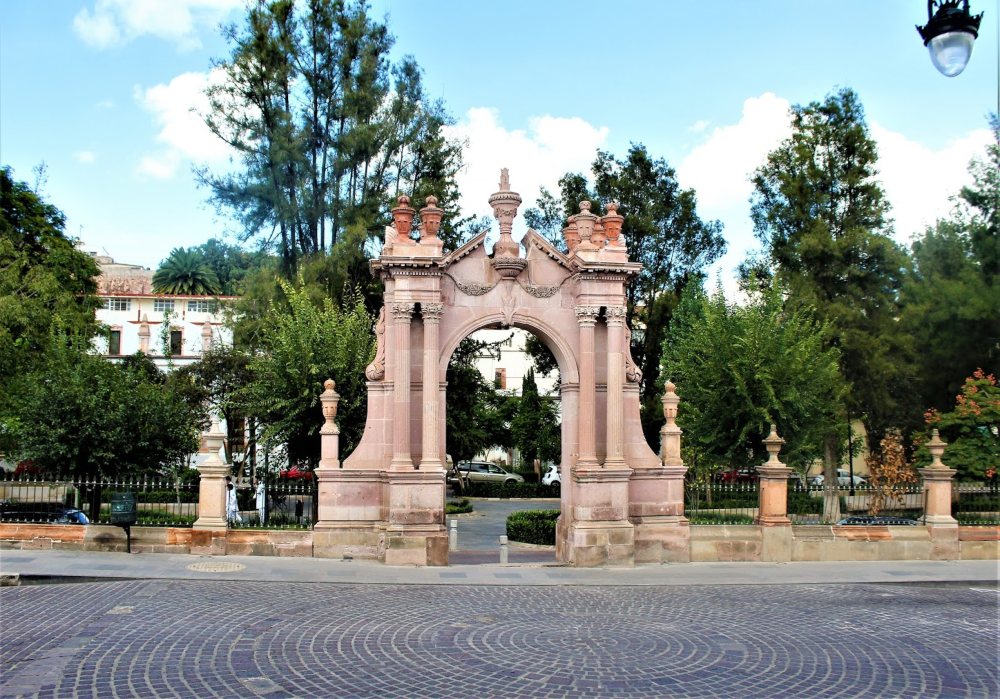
x,y
512,490
718,518
533,526
458,507
183,495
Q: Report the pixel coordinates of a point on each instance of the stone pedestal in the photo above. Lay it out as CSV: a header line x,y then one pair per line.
x,y
600,533
656,510
212,486
772,509
352,522
416,533
937,486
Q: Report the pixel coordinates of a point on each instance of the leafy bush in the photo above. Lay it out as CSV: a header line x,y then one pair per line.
x,y
533,526
719,518
458,507
512,490
184,495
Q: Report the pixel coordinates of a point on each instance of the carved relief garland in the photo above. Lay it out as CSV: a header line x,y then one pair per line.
x,y
473,288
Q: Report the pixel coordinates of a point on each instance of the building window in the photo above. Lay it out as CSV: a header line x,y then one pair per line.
x,y
115,342
163,305
203,306
500,379
175,342
116,304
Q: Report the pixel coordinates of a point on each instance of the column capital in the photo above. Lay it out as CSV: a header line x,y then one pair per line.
x,y
431,311
401,311
614,315
587,315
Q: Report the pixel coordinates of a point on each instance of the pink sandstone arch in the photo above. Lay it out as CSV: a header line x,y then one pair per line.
x,y
621,503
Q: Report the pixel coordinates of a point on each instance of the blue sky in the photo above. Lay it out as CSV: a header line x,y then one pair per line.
x,y
101,92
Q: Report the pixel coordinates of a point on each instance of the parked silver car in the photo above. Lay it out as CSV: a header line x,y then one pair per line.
x,y
485,472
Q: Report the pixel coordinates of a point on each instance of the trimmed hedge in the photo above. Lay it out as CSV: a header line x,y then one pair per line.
x,y
458,507
512,490
533,526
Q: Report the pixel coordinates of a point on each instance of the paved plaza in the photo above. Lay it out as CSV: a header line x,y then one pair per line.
x,y
235,638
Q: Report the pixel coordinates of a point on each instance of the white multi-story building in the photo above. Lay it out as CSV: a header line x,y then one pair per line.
x,y
173,330
506,368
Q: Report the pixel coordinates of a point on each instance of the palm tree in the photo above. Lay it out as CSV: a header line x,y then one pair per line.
x,y
185,272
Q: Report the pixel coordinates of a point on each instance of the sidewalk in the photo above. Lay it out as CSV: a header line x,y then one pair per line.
x,y
65,566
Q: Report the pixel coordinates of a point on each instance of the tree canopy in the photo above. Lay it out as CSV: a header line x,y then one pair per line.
x,y
823,218
740,368
186,272
327,129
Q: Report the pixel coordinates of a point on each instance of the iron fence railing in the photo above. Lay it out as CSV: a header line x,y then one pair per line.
x,y
159,502
976,503
815,504
720,503
282,504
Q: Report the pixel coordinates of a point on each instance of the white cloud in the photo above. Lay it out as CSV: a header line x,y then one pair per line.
x,y
85,157
116,22
698,126
177,107
918,181
536,157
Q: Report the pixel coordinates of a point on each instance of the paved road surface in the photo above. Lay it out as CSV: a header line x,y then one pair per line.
x,y
188,638
480,530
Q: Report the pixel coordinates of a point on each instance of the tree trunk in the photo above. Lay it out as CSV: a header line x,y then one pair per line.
x,y
831,499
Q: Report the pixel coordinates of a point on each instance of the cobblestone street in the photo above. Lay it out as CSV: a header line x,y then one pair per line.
x,y
178,638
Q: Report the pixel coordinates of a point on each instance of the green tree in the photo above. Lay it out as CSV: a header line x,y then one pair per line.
x,y
741,368
328,130
230,263
662,230
186,272
823,218
952,298
46,284
302,344
971,429
535,428
478,417
84,416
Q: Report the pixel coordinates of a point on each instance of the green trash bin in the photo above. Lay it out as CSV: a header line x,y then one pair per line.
x,y
123,514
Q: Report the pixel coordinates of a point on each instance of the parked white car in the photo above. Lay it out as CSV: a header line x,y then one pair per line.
x,y
551,476
843,478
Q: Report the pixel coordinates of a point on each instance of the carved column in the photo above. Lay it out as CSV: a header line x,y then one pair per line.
x,y
402,313
144,335
431,457
586,317
329,432
615,450
206,336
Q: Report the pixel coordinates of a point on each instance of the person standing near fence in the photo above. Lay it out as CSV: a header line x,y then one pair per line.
x,y
232,508
261,501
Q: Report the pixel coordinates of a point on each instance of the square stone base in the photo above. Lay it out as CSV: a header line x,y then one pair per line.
x,y
413,547
603,543
662,539
348,540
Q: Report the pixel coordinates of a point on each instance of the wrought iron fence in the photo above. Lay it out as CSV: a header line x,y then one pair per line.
x,y
976,503
280,504
707,502
815,504
159,502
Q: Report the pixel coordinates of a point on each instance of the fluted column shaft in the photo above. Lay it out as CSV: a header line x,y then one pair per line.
x,y
402,313
431,457
615,433
586,316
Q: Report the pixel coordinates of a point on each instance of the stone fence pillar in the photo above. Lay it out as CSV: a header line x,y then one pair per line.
x,y
772,510
937,486
209,530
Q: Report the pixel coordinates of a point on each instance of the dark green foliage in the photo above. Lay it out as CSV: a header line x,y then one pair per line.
x,y
186,272
478,417
823,218
952,298
533,526
511,490
535,429
328,130
81,415
231,264
458,507
302,344
46,284
971,430
739,369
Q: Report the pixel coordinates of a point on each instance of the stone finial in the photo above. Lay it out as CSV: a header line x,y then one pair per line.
x,y
430,219
598,237
773,445
571,234
329,399
144,335
936,447
506,253
613,221
585,226
670,433
402,220
504,180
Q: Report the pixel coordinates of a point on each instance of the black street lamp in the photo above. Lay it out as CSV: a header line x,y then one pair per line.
x,y
949,34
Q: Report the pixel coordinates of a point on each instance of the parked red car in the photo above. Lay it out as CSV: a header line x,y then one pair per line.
x,y
742,475
296,472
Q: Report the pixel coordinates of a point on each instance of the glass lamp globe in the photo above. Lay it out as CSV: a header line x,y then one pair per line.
x,y
950,52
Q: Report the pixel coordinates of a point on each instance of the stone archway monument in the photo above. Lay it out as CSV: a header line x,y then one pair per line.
x,y
621,503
